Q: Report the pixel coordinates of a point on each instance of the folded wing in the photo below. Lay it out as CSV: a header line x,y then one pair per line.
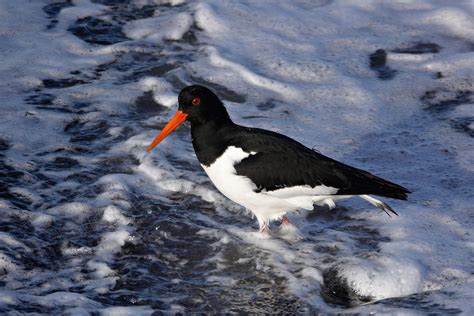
x,y
280,164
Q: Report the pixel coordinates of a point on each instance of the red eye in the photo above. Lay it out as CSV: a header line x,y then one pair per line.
x,y
196,101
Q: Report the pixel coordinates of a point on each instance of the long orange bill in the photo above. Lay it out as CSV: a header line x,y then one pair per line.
x,y
177,119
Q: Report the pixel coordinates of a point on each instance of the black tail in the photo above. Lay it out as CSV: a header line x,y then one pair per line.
x,y
363,182
389,189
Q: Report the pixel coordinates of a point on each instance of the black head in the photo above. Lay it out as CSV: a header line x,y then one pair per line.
x,y
201,105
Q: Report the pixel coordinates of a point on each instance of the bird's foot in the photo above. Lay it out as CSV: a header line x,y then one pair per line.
x,y
265,230
285,220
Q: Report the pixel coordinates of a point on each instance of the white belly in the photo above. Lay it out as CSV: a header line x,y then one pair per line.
x,y
272,204
240,189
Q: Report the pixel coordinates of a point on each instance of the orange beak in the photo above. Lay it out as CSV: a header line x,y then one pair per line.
x,y
177,119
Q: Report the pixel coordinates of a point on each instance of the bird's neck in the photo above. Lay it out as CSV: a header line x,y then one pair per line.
x,y
210,139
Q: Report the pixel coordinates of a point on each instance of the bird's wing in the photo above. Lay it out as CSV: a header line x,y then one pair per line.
x,y
280,163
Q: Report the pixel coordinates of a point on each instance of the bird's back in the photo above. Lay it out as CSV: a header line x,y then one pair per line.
x,y
279,161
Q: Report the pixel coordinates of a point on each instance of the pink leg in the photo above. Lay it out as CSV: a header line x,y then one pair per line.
x,y
285,220
265,230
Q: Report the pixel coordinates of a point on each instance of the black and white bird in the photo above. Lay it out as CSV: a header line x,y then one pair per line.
x,y
266,172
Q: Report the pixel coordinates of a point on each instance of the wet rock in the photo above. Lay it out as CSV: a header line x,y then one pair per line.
x,y
378,60
336,290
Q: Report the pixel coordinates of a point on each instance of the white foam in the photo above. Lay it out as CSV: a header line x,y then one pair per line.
x,y
8,298
113,215
221,281
156,29
9,241
66,299
74,210
111,243
7,263
384,277
310,61
127,311
101,269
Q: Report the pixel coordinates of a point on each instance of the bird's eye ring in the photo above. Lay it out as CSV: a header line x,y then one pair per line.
x,y
196,101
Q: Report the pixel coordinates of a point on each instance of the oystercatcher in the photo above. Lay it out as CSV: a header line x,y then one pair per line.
x,y
266,172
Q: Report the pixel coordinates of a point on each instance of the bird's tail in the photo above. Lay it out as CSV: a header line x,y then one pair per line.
x,y
391,190
381,205
371,184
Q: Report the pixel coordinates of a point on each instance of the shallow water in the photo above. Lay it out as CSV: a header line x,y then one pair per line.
x,y
92,223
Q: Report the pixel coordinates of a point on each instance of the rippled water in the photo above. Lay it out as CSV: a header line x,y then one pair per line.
x,y
90,222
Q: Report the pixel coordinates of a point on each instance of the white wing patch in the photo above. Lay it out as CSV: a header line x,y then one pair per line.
x,y
302,190
304,202
303,196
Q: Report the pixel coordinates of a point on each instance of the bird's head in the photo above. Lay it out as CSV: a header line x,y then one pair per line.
x,y
198,105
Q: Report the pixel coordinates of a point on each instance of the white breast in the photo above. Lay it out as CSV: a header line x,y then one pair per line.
x,y
224,176
240,189
265,205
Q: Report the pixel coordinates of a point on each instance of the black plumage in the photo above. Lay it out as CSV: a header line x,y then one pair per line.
x,y
279,161
250,165
282,162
